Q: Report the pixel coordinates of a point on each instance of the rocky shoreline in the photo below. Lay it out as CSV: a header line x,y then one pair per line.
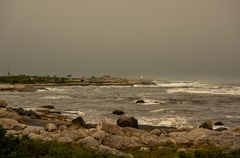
x,y
47,124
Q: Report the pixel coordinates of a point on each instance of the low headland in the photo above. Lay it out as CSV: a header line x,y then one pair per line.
x,y
32,83
46,133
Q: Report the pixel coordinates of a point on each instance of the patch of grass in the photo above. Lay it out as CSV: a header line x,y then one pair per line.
x,y
172,152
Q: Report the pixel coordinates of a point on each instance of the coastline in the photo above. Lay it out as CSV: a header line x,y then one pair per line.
x,y
47,124
24,83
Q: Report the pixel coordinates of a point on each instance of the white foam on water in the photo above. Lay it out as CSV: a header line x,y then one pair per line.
x,y
158,110
75,112
232,117
179,84
224,91
177,121
56,97
56,89
42,90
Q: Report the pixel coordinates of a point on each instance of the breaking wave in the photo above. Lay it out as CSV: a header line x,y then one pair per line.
x,y
177,121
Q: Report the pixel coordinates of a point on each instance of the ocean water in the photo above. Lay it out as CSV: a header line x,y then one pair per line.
x,y
178,104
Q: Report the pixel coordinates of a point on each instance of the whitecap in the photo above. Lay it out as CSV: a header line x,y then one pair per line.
x,y
57,97
75,112
150,102
232,117
158,110
179,84
220,91
177,121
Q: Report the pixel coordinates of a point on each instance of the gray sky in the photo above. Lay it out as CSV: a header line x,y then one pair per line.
x,y
120,37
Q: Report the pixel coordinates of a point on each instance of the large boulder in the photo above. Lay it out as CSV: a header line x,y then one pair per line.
x,y
127,122
99,135
79,121
89,142
110,128
11,124
3,104
118,112
75,135
120,142
207,125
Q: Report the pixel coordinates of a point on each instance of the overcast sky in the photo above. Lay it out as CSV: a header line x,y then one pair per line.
x,y
120,37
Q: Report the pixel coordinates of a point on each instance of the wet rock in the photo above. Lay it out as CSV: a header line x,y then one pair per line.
x,y
207,125
3,104
89,142
218,123
30,113
120,142
50,127
79,121
47,107
64,140
107,150
11,124
110,128
140,101
118,112
144,149
127,122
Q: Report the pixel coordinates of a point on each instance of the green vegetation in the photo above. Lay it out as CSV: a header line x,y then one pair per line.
x,y
172,152
25,79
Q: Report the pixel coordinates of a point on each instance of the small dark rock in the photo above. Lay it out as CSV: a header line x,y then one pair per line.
x,y
79,121
207,125
118,112
127,122
221,129
3,104
140,101
47,107
218,123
